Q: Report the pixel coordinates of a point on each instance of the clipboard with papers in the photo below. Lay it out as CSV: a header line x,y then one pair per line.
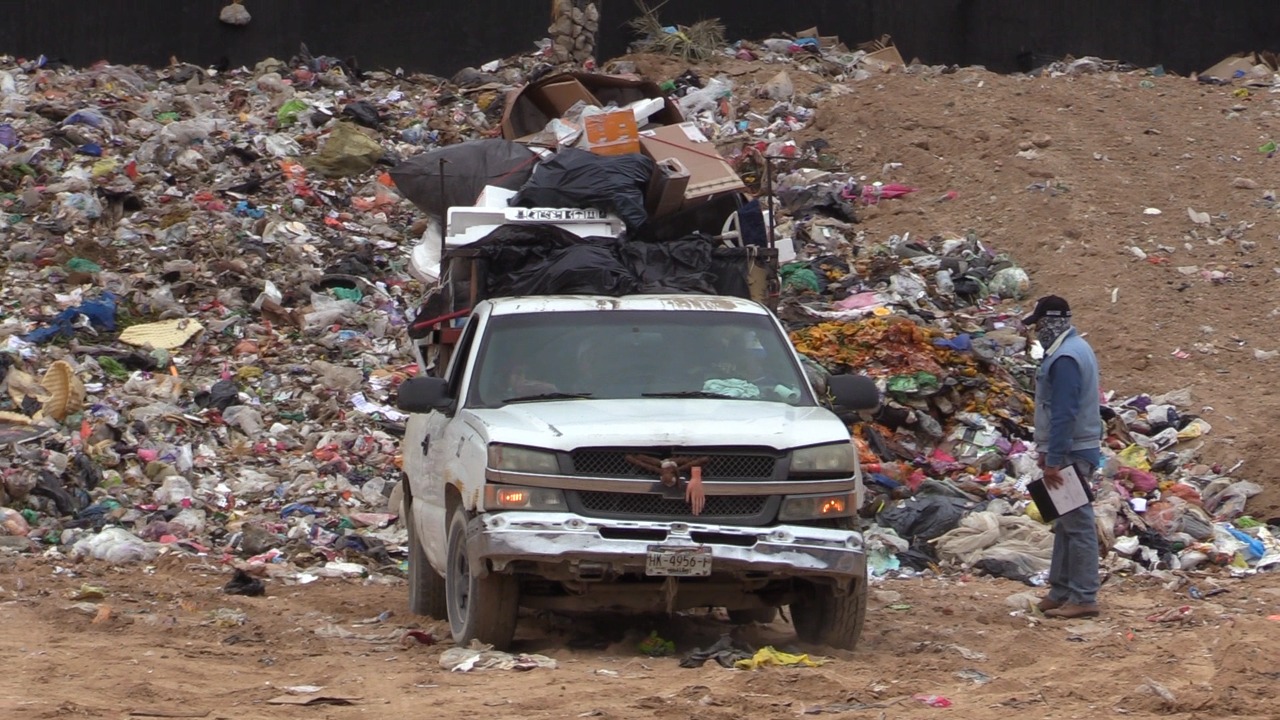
x,y
1053,503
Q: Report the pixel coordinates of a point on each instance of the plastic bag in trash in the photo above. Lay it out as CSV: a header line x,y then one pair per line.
x,y
115,545
1014,546
924,516
1011,282
883,546
247,419
706,98
347,151
1173,515
1228,502
581,179
466,170
13,523
484,657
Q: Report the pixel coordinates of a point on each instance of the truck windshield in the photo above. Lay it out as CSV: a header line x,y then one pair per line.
x,y
634,354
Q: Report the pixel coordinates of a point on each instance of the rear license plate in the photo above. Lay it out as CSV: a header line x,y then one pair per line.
x,y
678,561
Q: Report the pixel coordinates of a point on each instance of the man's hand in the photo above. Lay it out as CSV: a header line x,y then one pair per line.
x,y
693,491
1053,478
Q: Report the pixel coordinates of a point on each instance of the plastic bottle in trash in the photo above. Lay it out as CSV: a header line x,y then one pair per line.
x,y
877,189
942,279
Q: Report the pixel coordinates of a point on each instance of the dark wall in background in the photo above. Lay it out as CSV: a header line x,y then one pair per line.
x,y
1183,35
441,37
424,35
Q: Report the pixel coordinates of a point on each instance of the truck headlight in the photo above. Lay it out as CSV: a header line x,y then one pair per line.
x,y
522,459
817,507
840,458
514,497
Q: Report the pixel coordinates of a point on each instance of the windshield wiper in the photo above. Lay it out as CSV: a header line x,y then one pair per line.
x,y
547,396
688,394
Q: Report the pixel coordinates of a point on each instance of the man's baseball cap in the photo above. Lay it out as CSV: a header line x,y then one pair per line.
x,y
1048,306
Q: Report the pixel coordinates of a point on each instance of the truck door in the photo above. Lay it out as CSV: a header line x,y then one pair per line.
x,y
429,464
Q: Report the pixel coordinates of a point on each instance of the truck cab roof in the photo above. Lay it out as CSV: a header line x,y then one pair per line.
x,y
589,303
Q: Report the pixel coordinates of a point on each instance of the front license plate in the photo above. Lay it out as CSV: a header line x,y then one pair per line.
x,y
678,561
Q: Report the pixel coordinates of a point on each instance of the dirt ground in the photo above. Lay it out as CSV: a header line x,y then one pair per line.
x,y
169,645
1113,148
1100,150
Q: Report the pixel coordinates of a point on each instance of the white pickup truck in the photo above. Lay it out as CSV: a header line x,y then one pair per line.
x,y
643,453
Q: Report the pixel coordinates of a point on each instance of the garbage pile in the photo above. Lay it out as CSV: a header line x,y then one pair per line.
x,y
205,305
207,301
754,120
949,454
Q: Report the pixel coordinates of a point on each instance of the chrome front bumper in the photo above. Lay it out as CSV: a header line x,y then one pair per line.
x,y
559,538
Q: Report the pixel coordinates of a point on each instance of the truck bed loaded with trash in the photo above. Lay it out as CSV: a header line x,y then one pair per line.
x,y
608,416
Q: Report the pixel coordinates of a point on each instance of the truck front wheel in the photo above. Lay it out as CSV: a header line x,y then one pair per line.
x,y
426,587
823,617
483,609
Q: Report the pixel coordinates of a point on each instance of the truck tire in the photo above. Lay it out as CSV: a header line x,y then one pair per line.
x,y
822,617
483,609
764,616
426,587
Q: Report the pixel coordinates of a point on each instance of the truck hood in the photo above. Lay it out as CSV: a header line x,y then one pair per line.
x,y
676,422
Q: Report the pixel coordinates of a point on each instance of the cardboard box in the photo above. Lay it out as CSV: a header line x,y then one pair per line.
x,y
666,190
884,60
530,108
709,174
612,133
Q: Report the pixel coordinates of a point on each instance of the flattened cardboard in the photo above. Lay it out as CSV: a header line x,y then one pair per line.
x,y
167,334
709,174
1226,69
320,698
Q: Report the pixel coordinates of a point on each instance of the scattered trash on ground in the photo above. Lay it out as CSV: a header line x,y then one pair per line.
x,y
483,657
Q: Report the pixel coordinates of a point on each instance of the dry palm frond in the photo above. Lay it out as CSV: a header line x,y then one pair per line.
x,y
698,41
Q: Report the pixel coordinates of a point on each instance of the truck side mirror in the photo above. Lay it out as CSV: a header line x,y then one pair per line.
x,y
855,392
424,394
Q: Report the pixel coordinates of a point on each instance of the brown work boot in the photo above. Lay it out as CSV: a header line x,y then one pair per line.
x,y
1046,604
1071,611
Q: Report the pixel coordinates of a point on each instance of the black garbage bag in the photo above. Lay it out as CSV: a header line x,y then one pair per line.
x,y
242,583
580,179
676,266
221,396
52,487
547,260
539,259
1007,569
819,200
468,168
362,113
924,517
578,269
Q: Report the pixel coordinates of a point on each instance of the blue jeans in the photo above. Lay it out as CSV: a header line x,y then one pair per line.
x,y
1073,574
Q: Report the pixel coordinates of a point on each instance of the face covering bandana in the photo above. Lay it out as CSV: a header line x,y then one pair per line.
x,y
1049,328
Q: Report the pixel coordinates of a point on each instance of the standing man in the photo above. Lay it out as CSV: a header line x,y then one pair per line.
x,y
1068,431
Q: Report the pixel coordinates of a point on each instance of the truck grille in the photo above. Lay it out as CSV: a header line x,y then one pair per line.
x,y
746,508
613,463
